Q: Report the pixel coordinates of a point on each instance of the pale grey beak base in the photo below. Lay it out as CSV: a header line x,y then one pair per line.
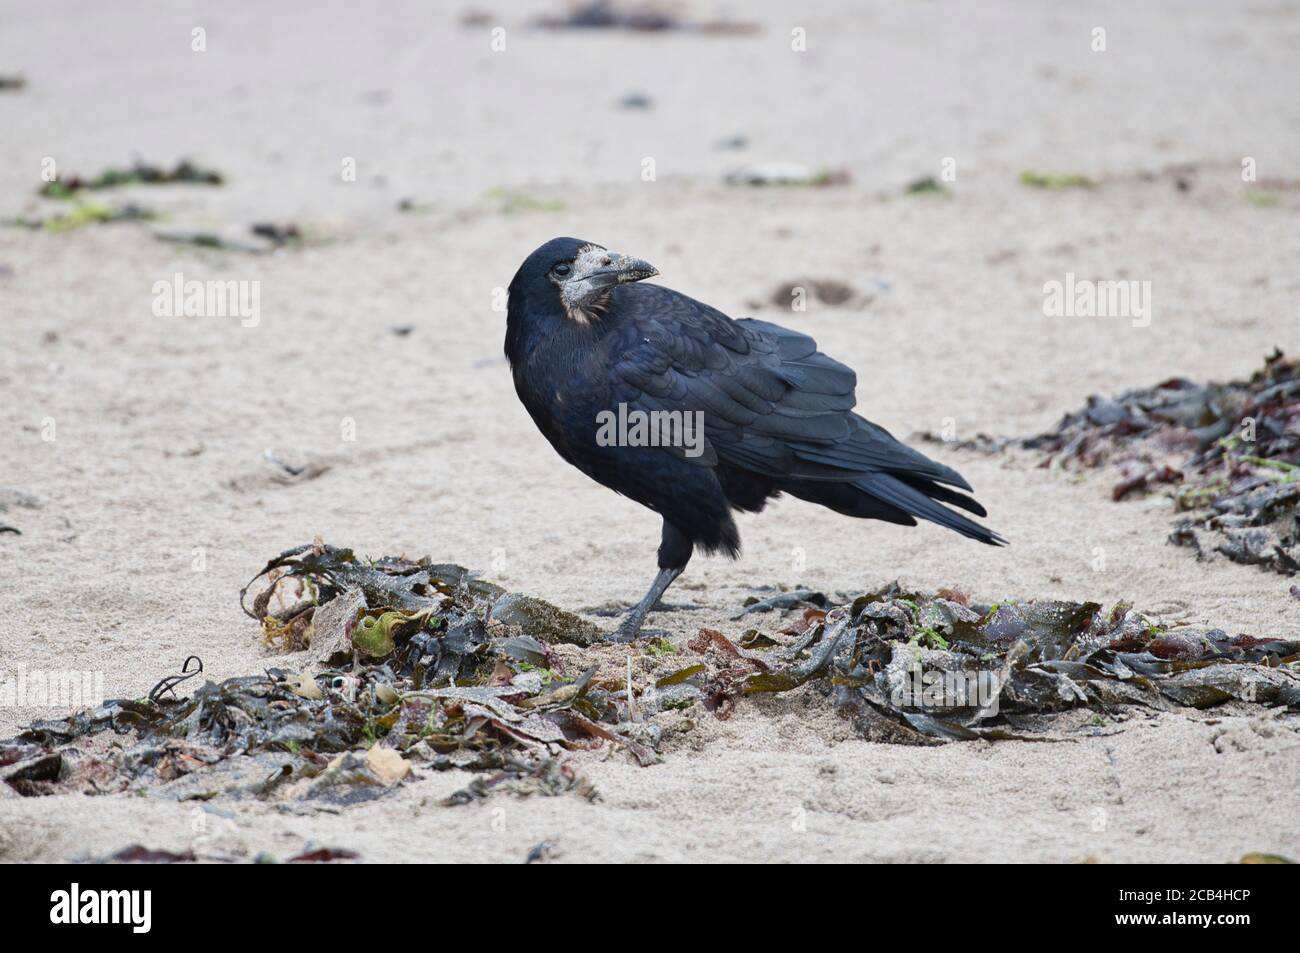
x,y
595,271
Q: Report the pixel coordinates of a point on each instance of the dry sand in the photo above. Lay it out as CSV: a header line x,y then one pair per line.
x,y
161,423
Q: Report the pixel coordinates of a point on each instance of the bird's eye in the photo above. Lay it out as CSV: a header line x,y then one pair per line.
x,y
562,270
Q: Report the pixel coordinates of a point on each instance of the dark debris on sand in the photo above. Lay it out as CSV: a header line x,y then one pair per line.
x,y
141,173
915,667
416,664
1229,454
416,667
641,17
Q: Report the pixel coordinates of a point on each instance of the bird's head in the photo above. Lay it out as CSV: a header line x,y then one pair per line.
x,y
577,276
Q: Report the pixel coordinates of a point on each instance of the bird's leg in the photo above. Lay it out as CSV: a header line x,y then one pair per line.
x,y
674,553
629,630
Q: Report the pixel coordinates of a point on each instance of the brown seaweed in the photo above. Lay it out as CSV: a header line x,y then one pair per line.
x,y
141,173
1227,453
412,666
911,667
415,664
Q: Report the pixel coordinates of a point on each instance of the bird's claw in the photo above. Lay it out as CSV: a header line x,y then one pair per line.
x,y
634,633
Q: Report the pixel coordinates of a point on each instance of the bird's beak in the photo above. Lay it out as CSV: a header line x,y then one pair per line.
x,y
596,271
604,269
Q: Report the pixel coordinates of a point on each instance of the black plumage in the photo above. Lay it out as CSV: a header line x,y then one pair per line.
x,y
584,337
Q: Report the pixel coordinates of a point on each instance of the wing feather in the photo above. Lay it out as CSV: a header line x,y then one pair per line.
x,y
772,402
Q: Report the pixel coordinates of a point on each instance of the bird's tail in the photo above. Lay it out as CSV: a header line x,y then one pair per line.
x,y
897,499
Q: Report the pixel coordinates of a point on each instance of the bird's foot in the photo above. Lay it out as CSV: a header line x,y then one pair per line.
x,y
631,631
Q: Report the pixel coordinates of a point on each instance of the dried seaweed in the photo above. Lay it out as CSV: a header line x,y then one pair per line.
x,y
784,600
352,738
917,668
324,855
411,667
525,777
1228,454
926,185
1240,480
640,17
257,238
1055,180
83,213
141,173
139,854
415,663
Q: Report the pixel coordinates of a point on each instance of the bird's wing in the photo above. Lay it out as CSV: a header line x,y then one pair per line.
x,y
772,402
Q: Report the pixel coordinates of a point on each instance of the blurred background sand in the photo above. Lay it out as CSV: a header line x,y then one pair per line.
x,y
162,422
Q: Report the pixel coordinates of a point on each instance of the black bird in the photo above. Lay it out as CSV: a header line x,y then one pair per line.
x,y
604,365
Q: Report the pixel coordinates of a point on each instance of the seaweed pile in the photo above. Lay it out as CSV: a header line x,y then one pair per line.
x,y
639,17
912,668
425,677
141,173
415,666
1229,454
81,211
1241,479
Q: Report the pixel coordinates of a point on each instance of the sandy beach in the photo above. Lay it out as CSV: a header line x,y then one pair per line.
x,y
132,445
